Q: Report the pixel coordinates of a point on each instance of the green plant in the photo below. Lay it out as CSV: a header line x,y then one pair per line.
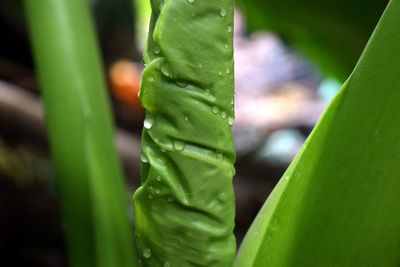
x,y
184,211
335,205
89,177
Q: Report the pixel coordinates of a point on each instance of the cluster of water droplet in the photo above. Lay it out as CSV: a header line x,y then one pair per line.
x,y
223,115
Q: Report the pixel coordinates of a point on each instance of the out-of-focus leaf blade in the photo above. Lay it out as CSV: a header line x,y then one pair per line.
x,y
184,210
338,203
333,33
89,178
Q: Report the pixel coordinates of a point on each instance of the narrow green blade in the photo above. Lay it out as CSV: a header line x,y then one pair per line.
x,y
89,178
338,203
184,210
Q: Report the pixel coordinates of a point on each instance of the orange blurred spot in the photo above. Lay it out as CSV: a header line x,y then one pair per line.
x,y
125,79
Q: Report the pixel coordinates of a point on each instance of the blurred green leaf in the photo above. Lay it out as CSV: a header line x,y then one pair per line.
x,y
333,33
89,177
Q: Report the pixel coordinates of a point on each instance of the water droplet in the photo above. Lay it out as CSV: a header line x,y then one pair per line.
x,y
158,178
232,101
181,84
220,73
166,264
228,71
226,46
157,192
179,145
191,1
150,196
143,157
222,197
200,66
215,110
160,160
219,156
230,121
229,29
148,121
186,118
166,70
170,199
275,224
150,79
222,12
223,114
157,50
147,253
207,92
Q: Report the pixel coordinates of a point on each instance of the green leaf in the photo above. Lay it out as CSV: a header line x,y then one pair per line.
x,y
333,33
338,203
184,210
89,177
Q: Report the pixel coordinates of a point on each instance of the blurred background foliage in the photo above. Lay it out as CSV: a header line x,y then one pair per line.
x,y
291,58
333,33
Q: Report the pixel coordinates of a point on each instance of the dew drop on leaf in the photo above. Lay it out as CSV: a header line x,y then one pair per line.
x,y
170,199
207,92
230,121
160,160
147,253
166,70
157,50
179,145
219,156
181,84
223,114
166,264
148,121
215,110
143,157
222,12
191,1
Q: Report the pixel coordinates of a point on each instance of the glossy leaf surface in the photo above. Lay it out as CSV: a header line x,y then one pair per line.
x,y
338,203
184,210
